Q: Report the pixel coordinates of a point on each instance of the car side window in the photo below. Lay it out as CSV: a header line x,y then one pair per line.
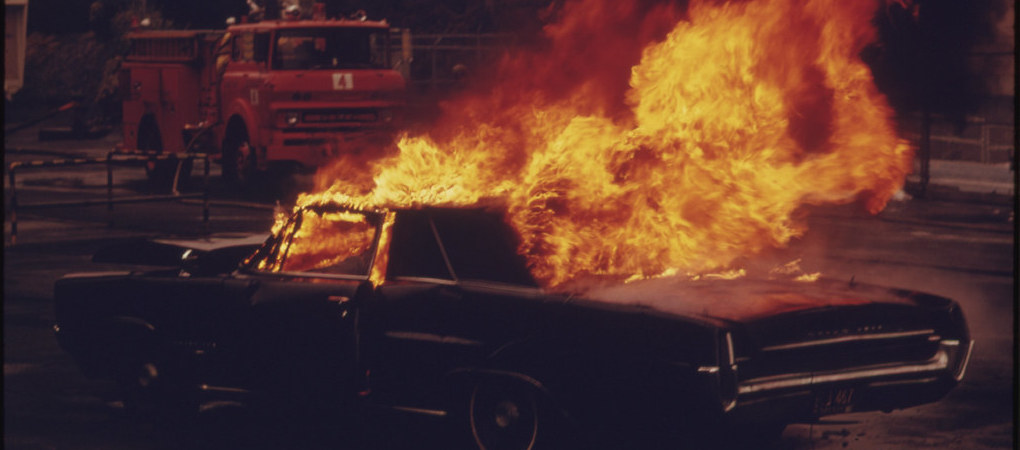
x,y
413,248
481,246
329,243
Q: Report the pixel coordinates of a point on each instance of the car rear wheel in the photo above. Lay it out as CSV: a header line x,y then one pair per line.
x,y
504,415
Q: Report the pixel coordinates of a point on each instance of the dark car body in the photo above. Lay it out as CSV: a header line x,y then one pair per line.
x,y
432,310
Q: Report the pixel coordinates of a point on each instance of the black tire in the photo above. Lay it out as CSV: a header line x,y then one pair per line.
x,y
239,160
147,392
505,415
161,173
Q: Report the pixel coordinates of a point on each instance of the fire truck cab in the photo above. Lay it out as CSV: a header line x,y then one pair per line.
x,y
284,93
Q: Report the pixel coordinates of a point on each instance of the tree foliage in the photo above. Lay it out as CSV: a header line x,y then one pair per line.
x,y
923,58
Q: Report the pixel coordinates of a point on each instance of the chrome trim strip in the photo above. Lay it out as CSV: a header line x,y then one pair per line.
x,y
729,349
423,411
427,280
730,357
231,390
431,337
745,402
729,406
708,369
966,361
859,337
902,382
111,273
938,362
314,274
442,248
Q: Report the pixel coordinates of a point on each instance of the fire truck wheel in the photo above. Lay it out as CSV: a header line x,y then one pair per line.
x,y
238,160
162,173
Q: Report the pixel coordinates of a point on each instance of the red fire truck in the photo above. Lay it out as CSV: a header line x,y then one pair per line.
x,y
272,94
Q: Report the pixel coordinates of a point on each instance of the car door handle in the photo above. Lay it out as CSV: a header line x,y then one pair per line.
x,y
338,299
344,303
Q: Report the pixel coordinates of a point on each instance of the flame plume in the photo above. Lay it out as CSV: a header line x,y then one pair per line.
x,y
727,124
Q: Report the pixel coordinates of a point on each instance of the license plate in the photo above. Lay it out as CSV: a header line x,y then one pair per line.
x,y
834,401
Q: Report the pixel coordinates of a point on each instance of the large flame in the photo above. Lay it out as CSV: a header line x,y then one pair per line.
x,y
730,122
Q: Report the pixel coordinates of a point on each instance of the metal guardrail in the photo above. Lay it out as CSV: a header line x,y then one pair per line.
x,y
434,55
983,143
113,157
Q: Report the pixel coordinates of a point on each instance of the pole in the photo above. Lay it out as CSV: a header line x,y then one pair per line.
x,y
205,193
14,207
109,189
177,175
925,151
432,77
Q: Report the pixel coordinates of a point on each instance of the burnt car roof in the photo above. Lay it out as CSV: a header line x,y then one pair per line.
x,y
435,242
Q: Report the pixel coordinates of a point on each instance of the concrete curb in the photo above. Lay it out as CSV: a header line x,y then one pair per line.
x,y
949,193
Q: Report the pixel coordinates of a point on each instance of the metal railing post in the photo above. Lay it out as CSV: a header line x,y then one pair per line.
x,y
14,205
925,150
109,189
986,143
205,193
435,64
177,174
109,160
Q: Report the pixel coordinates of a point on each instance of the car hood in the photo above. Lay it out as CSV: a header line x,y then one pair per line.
x,y
744,300
220,253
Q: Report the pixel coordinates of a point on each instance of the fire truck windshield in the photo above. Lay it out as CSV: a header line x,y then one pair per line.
x,y
330,48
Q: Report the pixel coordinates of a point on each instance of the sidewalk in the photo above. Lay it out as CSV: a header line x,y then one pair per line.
x,y
963,181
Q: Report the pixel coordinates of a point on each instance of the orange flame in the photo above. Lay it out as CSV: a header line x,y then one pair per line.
x,y
327,239
732,121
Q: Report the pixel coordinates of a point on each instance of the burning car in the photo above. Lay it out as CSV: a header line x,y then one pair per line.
x,y
433,310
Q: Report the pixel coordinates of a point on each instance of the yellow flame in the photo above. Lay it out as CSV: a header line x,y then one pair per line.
x,y
744,113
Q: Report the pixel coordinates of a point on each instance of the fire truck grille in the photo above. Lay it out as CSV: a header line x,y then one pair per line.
x,y
340,116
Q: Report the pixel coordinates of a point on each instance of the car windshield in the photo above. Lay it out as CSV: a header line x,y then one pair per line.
x,y
327,242
330,48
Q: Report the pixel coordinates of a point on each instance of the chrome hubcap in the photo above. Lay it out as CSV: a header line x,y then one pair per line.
x,y
507,414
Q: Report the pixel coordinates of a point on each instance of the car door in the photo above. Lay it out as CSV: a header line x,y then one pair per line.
x,y
499,300
305,290
412,347
302,337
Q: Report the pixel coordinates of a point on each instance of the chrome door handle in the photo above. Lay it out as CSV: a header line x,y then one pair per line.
x,y
340,299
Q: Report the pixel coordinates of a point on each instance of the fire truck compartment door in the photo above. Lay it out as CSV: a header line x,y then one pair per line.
x,y
170,88
146,83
